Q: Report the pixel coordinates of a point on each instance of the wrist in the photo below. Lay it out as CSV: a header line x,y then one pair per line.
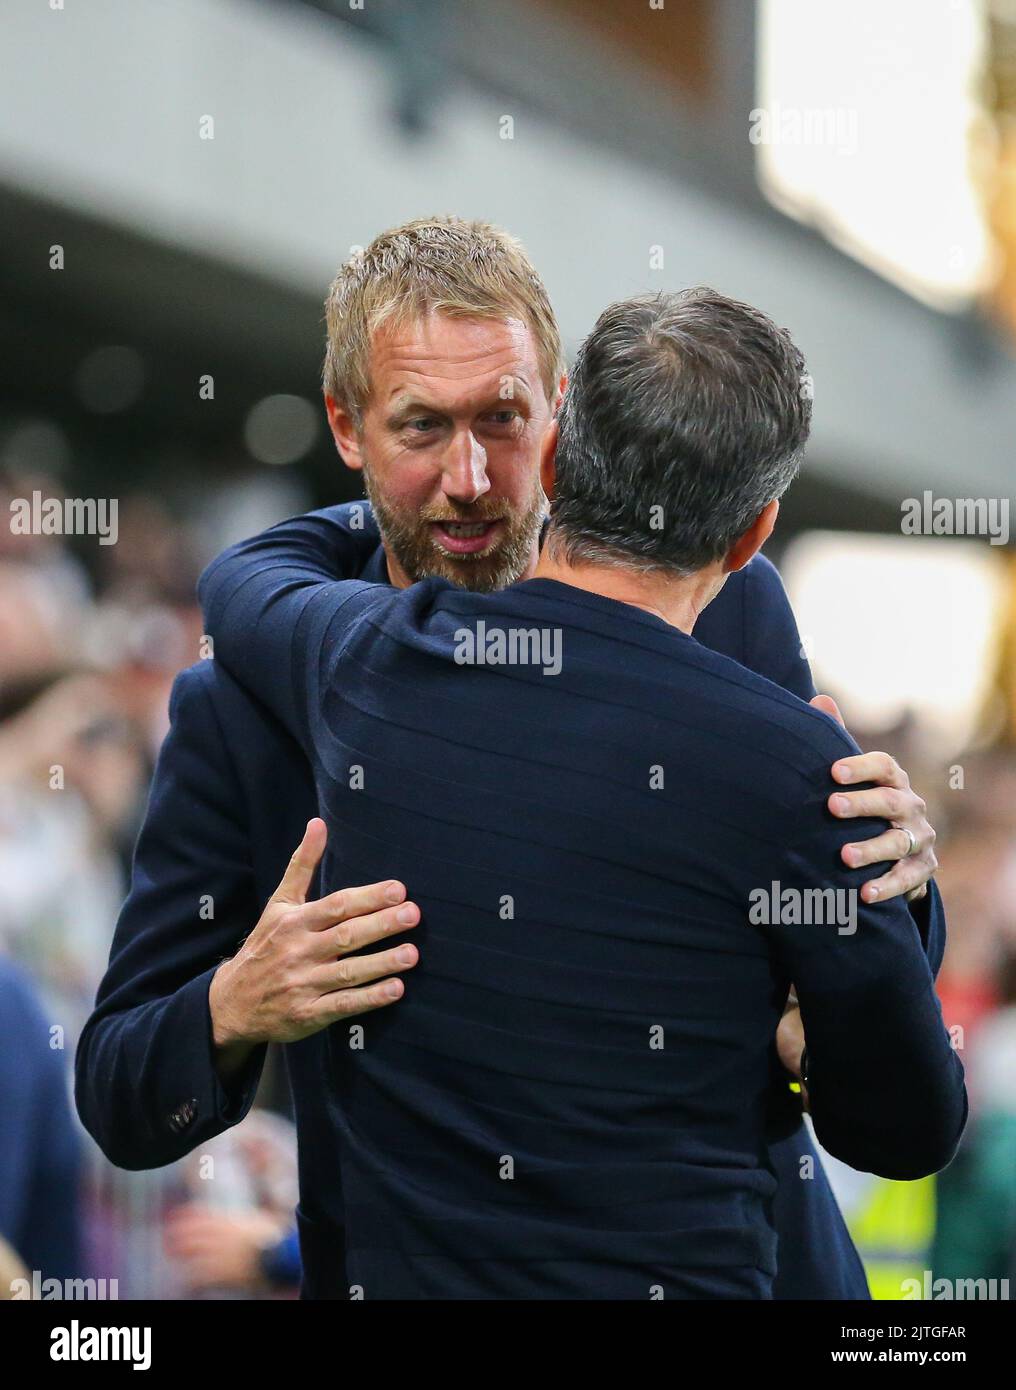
x,y
225,1031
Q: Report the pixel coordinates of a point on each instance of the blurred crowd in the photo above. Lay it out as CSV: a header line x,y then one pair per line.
x,y
91,637
960,1224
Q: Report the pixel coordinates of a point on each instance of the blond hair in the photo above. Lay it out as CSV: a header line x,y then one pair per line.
x,y
443,264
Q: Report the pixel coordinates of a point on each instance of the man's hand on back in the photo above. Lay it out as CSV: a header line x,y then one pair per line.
x,y
894,799
294,974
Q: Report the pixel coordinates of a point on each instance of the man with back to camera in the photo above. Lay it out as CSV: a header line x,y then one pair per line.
x,y
572,1099
232,792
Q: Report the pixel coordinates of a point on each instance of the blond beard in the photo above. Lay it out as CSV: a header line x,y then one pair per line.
x,y
408,540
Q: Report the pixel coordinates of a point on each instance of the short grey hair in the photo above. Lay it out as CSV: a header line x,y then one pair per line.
x,y
685,415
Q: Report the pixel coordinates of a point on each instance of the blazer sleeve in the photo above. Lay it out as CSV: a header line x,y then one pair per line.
x,y
146,1084
772,643
885,1085
275,612
752,622
772,646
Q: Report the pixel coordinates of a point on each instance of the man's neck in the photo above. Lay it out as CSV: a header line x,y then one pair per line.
x,y
397,576
678,601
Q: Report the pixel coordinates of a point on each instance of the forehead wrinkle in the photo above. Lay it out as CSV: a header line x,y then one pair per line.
x,y
417,351
458,369
413,357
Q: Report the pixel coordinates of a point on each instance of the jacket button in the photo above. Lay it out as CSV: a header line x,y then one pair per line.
x,y
183,1115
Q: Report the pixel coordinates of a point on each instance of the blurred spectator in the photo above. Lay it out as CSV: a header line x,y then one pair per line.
x,y
236,1233
90,640
40,1154
237,1252
975,1236
70,780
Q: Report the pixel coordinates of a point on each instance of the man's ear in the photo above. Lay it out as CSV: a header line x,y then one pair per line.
x,y
561,388
548,453
753,539
344,432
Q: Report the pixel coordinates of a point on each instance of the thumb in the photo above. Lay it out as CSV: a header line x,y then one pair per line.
x,y
828,705
297,879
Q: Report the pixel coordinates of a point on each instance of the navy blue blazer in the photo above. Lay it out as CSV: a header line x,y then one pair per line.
x,y
229,801
572,1100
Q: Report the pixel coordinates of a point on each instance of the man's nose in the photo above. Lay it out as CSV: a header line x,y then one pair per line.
x,y
465,469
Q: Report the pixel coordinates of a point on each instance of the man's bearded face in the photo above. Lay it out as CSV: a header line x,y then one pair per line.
x,y
450,447
438,541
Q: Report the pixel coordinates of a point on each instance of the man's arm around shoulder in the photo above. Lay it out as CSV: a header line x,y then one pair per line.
x,y
273,603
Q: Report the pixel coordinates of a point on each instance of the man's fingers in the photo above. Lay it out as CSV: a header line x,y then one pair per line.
x,y
299,875
891,802
891,844
870,767
357,932
828,705
892,799
903,877
347,1003
348,905
353,971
